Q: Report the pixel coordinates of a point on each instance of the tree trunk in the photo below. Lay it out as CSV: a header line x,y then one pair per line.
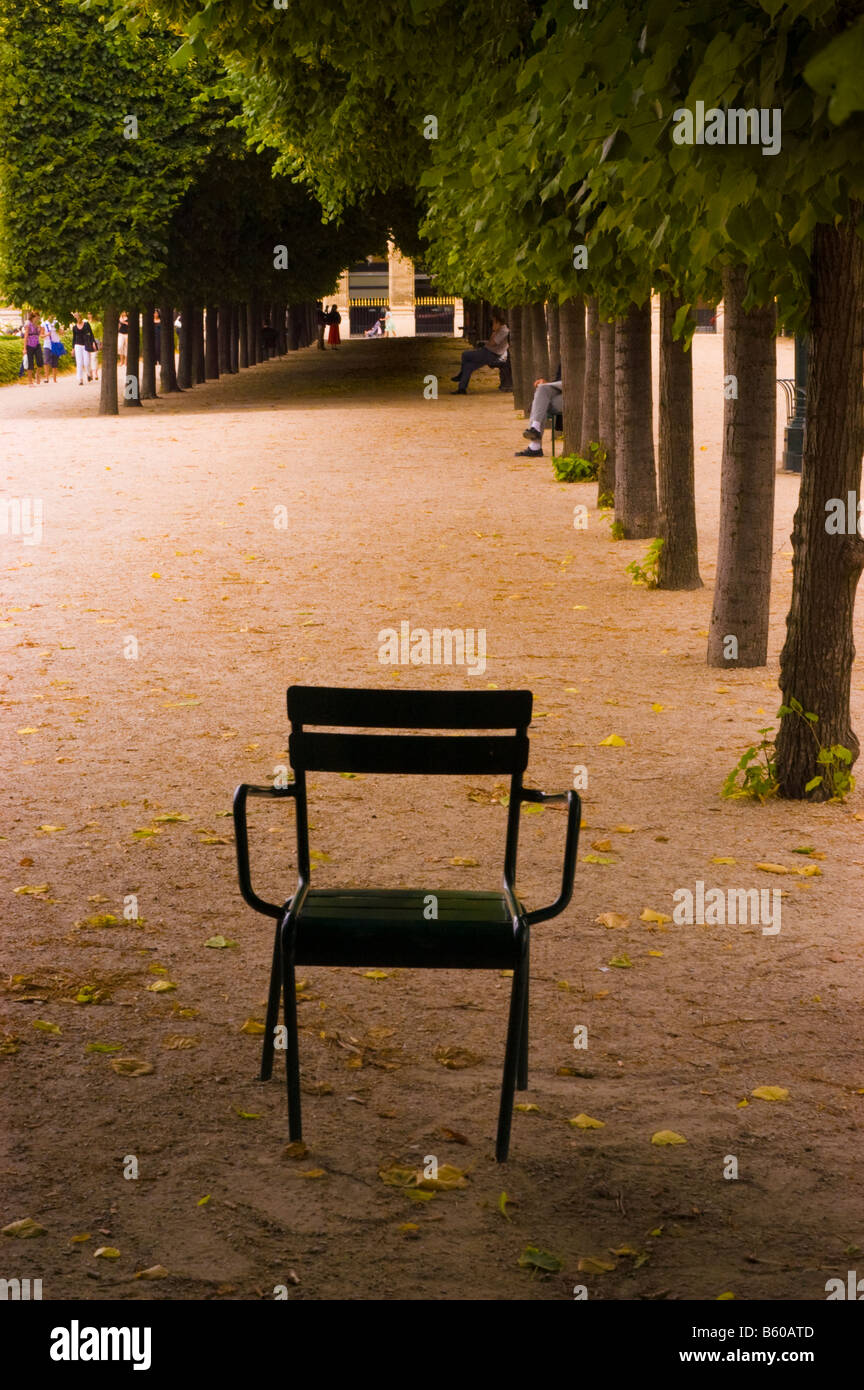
x,y
591,397
132,384
199,363
243,335
224,312
571,330
816,661
148,354
235,337
295,327
553,331
108,384
251,337
635,484
211,355
517,354
678,566
742,590
539,346
187,346
167,366
606,416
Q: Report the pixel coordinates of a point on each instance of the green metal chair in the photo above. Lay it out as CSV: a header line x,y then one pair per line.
x,y
387,927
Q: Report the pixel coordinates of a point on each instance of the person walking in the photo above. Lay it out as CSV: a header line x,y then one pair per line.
x,y
122,337
32,347
84,346
52,348
334,318
321,320
94,356
389,325
489,354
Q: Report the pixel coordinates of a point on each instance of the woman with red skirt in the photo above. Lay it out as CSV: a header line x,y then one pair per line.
x,y
334,318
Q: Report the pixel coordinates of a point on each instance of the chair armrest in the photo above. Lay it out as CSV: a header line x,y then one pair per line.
x,y
241,845
571,845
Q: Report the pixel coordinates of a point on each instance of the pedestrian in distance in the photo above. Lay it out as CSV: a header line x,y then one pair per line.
x,y
84,347
32,346
122,337
321,320
52,348
334,318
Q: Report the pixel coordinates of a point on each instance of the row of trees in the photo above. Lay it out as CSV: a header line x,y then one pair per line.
x,y
155,202
541,147
542,141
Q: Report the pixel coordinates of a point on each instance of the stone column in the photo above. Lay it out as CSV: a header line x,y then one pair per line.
x,y
401,292
341,298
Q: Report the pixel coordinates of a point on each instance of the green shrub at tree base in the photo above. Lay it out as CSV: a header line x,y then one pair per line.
x,y
757,767
573,468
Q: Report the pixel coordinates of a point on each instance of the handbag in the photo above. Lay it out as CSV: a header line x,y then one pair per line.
x,y
56,348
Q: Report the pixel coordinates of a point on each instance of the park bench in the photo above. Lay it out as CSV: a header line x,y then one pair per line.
x,y
397,927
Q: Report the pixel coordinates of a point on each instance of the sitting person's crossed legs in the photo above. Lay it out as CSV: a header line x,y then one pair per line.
x,y
547,395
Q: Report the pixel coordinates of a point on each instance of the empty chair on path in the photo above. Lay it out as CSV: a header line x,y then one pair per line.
x,y
433,928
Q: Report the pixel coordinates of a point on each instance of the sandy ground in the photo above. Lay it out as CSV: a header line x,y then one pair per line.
x,y
159,525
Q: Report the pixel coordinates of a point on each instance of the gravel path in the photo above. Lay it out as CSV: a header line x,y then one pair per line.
x,y
149,640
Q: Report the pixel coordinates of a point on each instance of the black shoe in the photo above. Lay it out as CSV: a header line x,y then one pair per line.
x,y
461,392
456,377
528,454
531,433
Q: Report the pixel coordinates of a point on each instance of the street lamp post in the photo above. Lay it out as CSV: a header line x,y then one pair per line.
x,y
793,444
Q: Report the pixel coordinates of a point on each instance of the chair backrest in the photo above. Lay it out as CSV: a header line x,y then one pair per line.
x,y
463,753
408,709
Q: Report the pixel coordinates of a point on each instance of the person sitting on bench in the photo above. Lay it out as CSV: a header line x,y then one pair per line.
x,y
488,354
548,395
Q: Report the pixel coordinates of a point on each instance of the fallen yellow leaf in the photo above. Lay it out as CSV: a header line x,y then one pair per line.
x,y
589,1264
612,920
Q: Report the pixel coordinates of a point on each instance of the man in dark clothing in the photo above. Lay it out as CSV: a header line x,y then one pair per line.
x,y
489,354
321,320
547,395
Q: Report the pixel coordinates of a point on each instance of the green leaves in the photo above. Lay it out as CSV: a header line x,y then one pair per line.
x,y
836,72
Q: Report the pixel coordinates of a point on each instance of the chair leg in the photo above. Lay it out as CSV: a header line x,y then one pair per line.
x,y
511,1060
292,1055
522,1074
272,1010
